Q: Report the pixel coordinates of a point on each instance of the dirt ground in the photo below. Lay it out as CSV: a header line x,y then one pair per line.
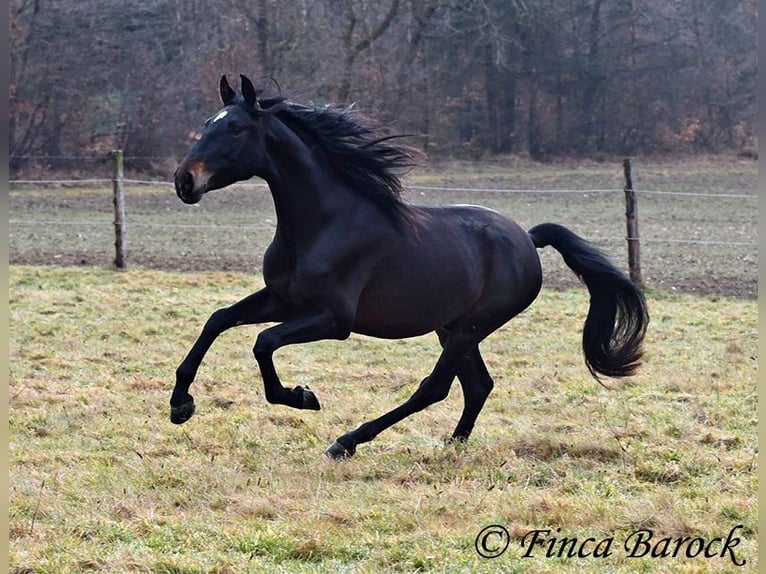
x,y
693,245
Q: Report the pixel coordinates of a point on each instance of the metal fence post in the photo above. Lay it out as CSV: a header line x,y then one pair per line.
x,y
119,210
631,219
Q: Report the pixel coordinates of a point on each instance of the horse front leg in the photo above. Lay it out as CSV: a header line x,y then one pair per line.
x,y
260,307
312,327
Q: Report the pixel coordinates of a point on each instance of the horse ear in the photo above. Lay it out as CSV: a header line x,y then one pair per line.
x,y
248,91
227,94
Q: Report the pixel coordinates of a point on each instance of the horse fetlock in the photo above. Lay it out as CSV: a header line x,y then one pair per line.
x,y
185,374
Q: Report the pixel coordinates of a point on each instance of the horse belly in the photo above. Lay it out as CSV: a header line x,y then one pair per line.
x,y
413,304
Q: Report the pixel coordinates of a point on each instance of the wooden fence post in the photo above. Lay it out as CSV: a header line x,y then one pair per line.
x,y
631,218
119,210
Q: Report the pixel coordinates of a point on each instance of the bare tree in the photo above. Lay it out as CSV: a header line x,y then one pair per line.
x,y
482,77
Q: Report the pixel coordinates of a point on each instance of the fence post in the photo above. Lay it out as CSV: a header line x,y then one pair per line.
x,y
119,210
631,218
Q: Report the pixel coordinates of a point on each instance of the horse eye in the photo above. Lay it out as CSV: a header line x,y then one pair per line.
x,y
236,128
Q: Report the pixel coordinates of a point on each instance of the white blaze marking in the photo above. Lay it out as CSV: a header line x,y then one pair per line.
x,y
220,116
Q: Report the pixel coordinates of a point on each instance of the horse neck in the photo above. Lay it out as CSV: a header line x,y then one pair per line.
x,y
305,191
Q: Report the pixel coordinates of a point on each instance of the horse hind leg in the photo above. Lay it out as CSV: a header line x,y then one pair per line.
x,y
432,389
476,383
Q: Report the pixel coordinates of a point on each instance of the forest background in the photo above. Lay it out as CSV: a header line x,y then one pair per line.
x,y
468,78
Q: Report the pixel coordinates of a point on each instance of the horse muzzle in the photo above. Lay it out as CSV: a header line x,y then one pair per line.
x,y
191,182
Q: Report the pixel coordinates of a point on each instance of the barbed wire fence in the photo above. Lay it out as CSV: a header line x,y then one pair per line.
x,y
121,219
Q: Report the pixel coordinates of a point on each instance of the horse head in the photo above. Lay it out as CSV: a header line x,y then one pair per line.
x,y
230,148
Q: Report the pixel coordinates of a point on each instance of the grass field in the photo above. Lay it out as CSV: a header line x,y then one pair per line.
x,y
100,481
703,244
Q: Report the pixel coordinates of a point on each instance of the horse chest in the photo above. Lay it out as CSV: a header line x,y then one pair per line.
x,y
301,280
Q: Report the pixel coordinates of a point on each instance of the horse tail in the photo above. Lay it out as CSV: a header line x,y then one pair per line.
x,y
614,329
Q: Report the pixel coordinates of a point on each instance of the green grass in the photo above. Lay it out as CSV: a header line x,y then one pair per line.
x,y
100,481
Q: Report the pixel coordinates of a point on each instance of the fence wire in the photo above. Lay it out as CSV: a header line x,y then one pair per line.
x,y
415,188
693,240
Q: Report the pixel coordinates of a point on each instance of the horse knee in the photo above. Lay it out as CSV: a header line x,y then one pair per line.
x,y
218,321
264,347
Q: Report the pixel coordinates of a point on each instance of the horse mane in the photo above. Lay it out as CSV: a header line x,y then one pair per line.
x,y
371,162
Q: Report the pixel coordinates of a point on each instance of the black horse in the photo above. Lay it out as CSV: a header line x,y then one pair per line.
x,y
349,255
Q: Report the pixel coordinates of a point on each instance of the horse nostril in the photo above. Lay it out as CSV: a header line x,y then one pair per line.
x,y
184,184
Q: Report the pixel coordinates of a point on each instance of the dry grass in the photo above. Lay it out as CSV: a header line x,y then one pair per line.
x,y
102,482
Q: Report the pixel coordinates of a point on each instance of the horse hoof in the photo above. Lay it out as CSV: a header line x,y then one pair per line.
x,y
182,413
338,451
309,400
